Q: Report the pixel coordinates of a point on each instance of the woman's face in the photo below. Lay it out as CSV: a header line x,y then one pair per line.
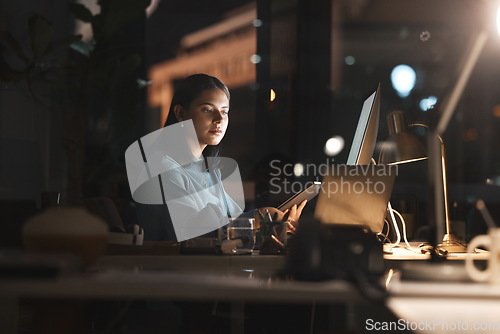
x,y
210,115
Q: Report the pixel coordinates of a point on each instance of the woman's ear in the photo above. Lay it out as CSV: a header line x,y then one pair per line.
x,y
179,114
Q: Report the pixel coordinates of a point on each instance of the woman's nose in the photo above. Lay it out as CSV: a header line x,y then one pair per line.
x,y
218,116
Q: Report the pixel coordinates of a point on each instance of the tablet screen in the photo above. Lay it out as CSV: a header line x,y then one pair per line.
x,y
307,194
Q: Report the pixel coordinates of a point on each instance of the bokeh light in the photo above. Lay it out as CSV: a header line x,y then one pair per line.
x,y
255,59
257,23
498,20
272,95
334,146
350,60
298,169
427,103
496,110
403,79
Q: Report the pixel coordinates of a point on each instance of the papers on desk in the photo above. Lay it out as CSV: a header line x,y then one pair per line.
x,y
402,252
450,270
437,289
444,307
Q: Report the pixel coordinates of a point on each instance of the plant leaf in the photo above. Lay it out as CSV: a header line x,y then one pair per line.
x,y
81,12
142,83
117,13
6,37
41,32
65,42
82,47
127,67
9,74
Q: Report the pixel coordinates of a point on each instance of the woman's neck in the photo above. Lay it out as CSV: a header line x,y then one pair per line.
x,y
202,147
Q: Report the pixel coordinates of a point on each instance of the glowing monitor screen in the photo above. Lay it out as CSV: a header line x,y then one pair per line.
x,y
365,137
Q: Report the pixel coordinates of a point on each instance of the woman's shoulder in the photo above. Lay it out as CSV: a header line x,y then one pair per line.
x,y
172,171
167,160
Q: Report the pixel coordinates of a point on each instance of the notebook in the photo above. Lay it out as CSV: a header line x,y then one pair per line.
x,y
356,195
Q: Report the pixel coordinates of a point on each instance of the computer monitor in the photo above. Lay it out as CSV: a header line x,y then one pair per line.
x,y
344,189
365,137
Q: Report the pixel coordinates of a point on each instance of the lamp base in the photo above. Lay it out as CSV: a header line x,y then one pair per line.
x,y
452,244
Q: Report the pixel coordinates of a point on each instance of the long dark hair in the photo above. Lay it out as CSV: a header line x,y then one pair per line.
x,y
187,91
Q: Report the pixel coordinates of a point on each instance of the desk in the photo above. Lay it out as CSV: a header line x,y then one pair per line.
x,y
235,279
192,285
261,266
403,253
440,298
443,307
245,279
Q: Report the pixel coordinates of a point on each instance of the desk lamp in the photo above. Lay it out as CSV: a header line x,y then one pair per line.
x,y
400,149
403,147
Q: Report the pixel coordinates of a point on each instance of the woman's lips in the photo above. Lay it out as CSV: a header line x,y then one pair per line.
x,y
216,132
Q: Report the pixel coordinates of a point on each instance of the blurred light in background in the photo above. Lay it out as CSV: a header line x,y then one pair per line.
x,y
350,60
257,23
470,134
255,59
428,103
334,145
498,20
496,110
85,28
152,7
298,169
403,79
425,36
272,96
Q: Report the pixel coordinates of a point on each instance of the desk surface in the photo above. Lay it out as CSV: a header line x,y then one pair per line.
x,y
444,307
250,277
185,277
403,252
261,266
247,278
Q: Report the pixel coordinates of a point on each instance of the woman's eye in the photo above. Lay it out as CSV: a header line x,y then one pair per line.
x,y
225,112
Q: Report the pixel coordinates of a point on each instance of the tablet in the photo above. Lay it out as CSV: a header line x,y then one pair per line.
x,y
307,194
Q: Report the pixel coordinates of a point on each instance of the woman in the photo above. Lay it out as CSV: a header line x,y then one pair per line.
x,y
194,192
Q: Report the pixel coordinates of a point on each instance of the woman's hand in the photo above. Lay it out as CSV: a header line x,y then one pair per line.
x,y
291,215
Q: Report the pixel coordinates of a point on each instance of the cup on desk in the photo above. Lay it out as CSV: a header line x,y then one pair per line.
x,y
490,241
273,237
241,234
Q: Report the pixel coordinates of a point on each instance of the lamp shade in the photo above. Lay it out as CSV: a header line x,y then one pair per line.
x,y
402,146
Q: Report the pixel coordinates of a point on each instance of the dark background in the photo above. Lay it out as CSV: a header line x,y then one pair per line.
x,y
310,107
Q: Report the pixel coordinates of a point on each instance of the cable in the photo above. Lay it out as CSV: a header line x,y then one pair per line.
x,y
389,207
396,228
384,237
403,225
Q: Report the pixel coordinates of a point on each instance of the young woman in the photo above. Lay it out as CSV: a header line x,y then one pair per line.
x,y
194,192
